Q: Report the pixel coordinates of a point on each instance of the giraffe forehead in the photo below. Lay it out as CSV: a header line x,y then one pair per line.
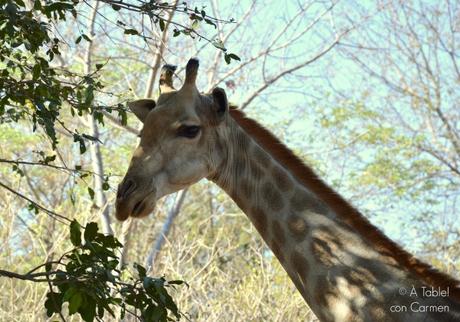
x,y
170,116
179,104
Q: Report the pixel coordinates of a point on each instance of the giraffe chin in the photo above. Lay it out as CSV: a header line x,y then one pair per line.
x,y
140,209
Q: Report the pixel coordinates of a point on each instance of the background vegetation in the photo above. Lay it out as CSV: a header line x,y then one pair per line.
x,y
367,93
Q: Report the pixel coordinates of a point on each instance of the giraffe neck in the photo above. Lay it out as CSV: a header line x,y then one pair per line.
x,y
339,274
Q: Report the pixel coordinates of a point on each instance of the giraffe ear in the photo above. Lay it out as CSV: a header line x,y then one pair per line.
x,y
220,106
141,108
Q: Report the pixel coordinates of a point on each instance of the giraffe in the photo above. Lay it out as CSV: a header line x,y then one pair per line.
x,y
345,268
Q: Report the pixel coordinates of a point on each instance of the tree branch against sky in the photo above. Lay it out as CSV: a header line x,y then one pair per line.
x,y
402,77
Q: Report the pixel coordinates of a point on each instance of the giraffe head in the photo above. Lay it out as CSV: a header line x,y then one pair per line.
x,y
179,143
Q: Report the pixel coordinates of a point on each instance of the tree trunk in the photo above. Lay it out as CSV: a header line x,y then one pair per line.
x,y
100,199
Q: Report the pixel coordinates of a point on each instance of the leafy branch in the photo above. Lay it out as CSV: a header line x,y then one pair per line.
x,y
155,11
35,90
87,279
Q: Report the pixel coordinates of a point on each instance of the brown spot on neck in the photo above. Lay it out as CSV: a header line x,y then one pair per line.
x,y
272,197
297,227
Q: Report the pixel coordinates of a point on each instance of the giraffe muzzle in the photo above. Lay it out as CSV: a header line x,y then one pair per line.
x,y
125,189
132,200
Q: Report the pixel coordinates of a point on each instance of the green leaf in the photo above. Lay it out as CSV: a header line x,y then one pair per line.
x,y
88,310
37,5
75,233
79,139
122,114
53,303
75,302
33,207
36,71
89,96
210,22
131,32
49,159
99,117
69,293
105,186
116,7
177,282
91,193
228,58
162,25
90,231
141,270
110,241
155,313
85,37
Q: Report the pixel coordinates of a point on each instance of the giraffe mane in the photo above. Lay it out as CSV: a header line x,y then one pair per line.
x,y
343,209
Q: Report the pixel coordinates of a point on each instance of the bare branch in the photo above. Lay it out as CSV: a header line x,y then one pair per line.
x,y
49,212
289,71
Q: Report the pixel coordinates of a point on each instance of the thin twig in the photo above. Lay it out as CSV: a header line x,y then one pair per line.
x,y
291,70
49,212
46,165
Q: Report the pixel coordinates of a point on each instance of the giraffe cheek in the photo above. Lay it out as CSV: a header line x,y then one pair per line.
x,y
186,173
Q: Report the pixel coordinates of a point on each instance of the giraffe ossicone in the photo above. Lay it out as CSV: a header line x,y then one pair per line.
x,y
344,267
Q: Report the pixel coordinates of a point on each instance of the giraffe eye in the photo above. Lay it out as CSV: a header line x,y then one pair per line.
x,y
188,131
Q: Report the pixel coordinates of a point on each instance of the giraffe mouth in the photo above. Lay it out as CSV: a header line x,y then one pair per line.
x,y
137,209
144,206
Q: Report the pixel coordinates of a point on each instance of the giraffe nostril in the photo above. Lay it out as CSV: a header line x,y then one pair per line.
x,y
126,188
